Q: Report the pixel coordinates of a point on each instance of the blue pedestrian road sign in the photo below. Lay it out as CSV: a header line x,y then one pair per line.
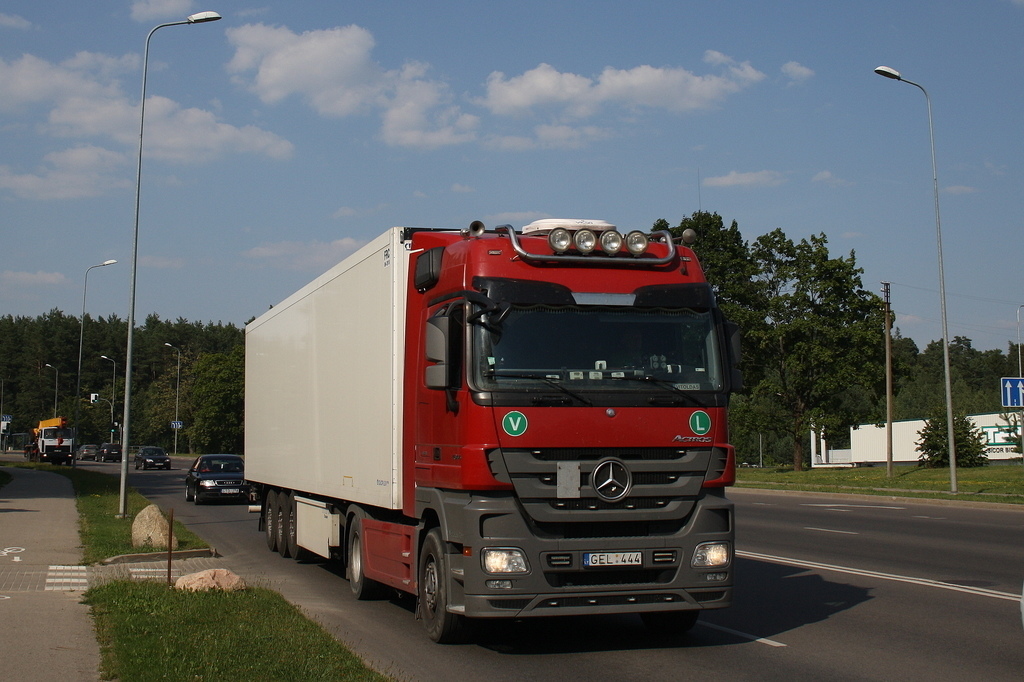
x,y
177,425
1012,390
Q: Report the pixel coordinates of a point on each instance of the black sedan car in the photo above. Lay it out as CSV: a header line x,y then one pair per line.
x,y
216,477
109,452
150,457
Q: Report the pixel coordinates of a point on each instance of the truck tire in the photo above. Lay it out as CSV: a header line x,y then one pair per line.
x,y
441,625
270,519
285,524
670,622
292,536
363,588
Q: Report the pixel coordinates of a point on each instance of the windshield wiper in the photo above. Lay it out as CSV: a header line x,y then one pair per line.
x,y
554,383
660,383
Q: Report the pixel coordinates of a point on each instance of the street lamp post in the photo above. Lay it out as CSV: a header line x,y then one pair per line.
x,y
56,382
201,17
888,72
113,392
177,393
81,339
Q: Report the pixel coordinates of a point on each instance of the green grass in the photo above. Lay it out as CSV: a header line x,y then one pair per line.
x,y
997,483
150,632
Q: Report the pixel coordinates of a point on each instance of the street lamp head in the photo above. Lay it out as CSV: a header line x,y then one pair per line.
x,y
50,366
889,73
108,262
203,17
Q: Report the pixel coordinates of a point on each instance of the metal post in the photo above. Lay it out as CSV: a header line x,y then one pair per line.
x,y
888,382
126,422
895,75
81,339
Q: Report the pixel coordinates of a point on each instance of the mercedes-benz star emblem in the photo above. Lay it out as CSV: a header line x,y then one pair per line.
x,y
611,480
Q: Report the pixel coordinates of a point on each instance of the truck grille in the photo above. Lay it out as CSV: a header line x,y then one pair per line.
x,y
666,482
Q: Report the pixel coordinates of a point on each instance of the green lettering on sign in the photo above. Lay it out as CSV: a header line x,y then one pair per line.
x,y
700,422
514,423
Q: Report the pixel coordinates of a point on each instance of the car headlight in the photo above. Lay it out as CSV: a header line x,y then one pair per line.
x,y
710,555
208,483
504,560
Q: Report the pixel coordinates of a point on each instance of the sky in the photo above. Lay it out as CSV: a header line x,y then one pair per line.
x,y
284,136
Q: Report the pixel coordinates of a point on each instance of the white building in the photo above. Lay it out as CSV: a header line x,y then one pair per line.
x,y
868,442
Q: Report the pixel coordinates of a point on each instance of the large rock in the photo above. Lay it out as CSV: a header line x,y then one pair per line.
x,y
150,529
210,579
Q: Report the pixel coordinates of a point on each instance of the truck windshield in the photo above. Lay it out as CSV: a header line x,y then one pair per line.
x,y
599,348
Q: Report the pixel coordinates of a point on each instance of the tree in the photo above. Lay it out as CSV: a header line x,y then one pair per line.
x,y
219,397
934,443
812,336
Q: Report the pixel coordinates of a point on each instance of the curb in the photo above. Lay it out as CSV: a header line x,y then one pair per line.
x,y
160,556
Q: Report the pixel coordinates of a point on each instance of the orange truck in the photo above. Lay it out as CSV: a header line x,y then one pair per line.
x,y
52,441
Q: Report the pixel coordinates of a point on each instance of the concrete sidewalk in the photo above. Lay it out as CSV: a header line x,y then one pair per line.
x,y
46,633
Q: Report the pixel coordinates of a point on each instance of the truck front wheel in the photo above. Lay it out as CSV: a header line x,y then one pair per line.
x,y
442,626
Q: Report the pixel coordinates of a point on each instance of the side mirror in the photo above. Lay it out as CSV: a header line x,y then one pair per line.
x,y
732,331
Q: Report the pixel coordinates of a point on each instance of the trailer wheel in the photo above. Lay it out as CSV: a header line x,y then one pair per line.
x,y
285,523
292,536
363,588
441,625
270,519
670,622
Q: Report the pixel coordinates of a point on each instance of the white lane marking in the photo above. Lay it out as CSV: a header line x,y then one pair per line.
x,y
926,582
853,506
752,638
830,530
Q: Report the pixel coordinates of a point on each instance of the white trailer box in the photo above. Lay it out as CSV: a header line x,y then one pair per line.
x,y
323,381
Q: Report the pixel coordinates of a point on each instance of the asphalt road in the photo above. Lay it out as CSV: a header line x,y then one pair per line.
x,y
826,588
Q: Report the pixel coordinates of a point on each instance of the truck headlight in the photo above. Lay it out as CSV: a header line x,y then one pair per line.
x,y
503,560
636,242
585,240
710,555
559,240
611,242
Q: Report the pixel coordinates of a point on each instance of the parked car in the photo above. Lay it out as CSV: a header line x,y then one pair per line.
x,y
109,452
88,452
216,477
151,457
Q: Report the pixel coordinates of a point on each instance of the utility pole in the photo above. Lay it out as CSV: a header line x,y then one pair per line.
x,y
888,381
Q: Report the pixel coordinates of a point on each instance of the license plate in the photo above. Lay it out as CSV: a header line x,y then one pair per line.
x,y
592,559
230,491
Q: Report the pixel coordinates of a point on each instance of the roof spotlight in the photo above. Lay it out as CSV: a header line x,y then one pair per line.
x,y
611,242
636,242
585,240
559,240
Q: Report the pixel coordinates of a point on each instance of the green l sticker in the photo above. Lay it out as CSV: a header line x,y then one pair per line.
x,y
700,422
514,423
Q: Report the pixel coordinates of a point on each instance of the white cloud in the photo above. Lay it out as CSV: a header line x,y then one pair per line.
x,y
156,10
765,178
81,99
32,279
827,178
315,256
672,89
796,72
462,189
14,21
76,173
416,111
960,189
